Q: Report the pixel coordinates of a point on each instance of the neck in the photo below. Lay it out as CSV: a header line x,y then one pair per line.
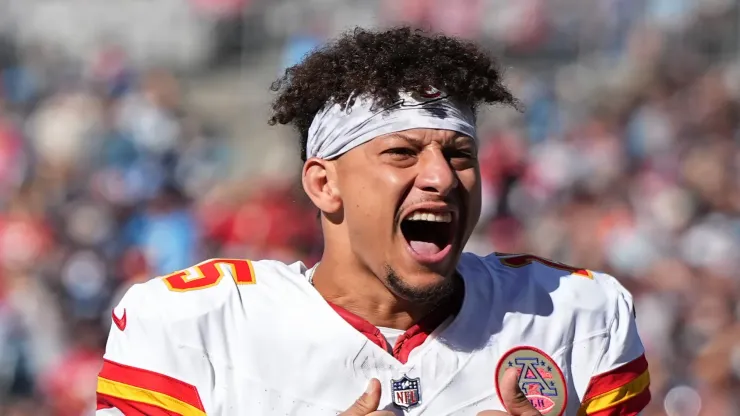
x,y
361,292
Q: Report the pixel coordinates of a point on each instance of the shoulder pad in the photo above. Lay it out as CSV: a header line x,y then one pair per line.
x,y
209,285
570,286
193,291
541,265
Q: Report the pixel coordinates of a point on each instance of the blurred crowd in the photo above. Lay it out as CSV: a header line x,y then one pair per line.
x,y
626,159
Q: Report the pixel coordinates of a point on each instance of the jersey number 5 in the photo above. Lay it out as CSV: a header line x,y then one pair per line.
x,y
521,260
209,273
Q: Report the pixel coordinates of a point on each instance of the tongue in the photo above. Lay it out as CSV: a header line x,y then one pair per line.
x,y
424,248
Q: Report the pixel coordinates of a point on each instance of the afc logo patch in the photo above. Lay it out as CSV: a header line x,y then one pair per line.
x,y
406,392
540,379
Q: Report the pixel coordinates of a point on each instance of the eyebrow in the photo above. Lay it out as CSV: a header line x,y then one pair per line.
x,y
402,135
414,140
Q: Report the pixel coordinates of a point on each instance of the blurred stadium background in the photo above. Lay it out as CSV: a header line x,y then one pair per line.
x,y
133,142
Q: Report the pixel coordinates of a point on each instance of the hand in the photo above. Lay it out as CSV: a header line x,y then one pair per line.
x,y
367,404
514,399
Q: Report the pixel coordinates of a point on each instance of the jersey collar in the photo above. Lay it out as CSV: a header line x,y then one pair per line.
x,y
414,336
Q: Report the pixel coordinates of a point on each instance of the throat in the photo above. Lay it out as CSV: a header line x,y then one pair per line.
x,y
364,294
378,315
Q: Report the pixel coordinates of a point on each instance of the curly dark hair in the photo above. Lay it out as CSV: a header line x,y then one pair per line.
x,y
381,63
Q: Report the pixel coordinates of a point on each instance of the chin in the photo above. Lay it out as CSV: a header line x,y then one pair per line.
x,y
420,287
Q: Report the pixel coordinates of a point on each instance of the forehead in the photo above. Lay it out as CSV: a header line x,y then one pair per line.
x,y
425,137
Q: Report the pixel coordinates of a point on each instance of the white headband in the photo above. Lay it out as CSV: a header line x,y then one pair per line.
x,y
334,131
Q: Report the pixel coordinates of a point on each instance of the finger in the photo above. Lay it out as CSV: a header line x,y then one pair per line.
x,y
514,399
367,403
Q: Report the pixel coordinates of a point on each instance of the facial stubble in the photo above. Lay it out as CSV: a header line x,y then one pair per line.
x,y
431,295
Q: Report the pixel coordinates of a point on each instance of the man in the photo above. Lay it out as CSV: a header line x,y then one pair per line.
x,y
387,122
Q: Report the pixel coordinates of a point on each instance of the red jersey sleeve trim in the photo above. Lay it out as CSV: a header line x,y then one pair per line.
x,y
152,381
631,407
623,391
131,407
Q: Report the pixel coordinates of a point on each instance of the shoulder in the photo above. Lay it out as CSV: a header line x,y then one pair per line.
x,y
210,286
566,289
177,326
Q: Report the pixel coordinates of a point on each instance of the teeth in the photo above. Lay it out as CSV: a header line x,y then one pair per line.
x,y
430,216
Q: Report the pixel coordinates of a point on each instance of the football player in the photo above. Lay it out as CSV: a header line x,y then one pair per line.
x,y
387,122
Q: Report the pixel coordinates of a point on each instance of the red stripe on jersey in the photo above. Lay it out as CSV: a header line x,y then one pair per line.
x,y
130,407
102,404
606,382
153,381
631,407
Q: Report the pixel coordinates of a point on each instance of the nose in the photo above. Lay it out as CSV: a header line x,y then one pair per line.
x,y
435,173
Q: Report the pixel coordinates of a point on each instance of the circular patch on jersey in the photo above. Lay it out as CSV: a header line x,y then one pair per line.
x,y
540,379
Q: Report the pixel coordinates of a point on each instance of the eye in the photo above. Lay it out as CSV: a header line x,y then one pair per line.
x,y
400,152
461,158
460,154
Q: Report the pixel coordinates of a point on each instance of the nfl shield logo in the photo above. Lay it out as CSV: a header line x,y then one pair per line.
x,y
405,392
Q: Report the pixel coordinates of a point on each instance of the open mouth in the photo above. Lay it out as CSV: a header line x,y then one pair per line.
x,y
429,234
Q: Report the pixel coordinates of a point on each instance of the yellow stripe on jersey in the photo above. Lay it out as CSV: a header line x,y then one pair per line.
x,y
138,394
615,397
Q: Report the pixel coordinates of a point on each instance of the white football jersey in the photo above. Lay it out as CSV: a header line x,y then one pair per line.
x,y
235,337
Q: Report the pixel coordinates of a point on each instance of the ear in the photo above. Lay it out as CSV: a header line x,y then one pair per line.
x,y
319,182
